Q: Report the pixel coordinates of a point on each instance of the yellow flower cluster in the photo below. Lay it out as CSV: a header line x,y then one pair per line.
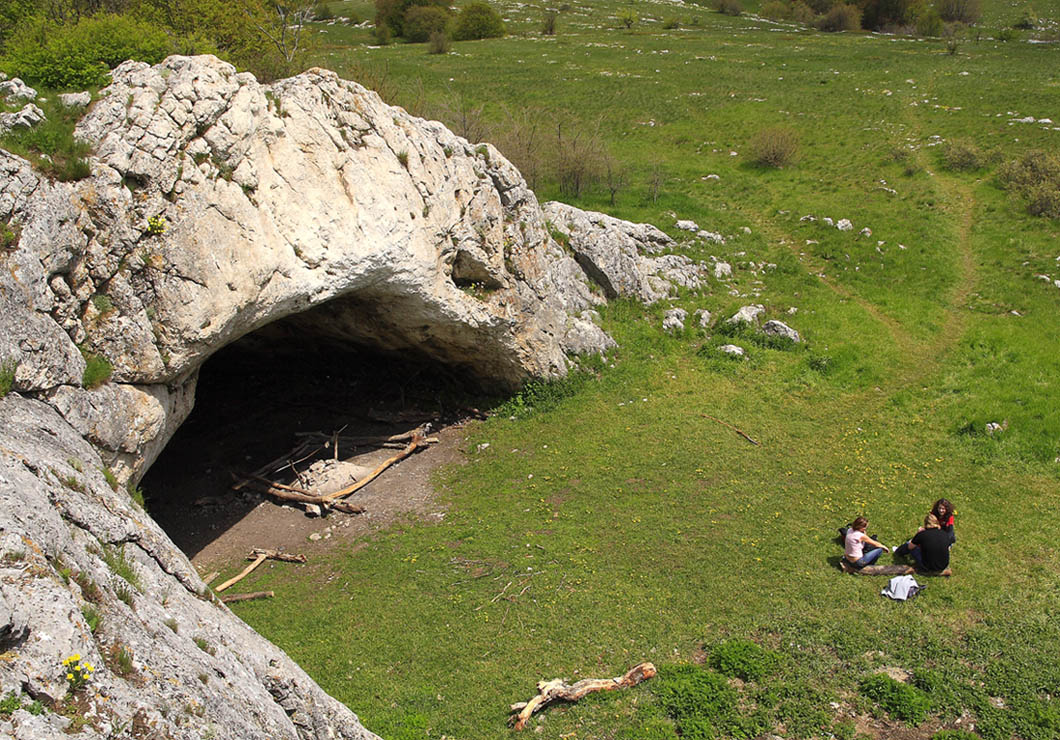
x,y
77,673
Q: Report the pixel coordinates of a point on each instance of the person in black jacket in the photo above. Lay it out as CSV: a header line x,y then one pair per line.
x,y
929,547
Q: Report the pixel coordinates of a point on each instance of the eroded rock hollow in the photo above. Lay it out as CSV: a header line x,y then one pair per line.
x,y
217,206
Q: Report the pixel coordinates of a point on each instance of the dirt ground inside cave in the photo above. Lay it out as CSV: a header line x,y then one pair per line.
x,y
243,420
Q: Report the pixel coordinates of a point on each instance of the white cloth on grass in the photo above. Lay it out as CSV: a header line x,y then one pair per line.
x,y
901,588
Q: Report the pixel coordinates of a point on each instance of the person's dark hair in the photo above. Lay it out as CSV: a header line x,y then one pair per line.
x,y
942,510
860,523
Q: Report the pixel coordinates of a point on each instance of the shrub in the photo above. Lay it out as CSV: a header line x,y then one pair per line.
x,y
702,704
97,370
382,34
841,17
929,24
322,12
776,146
899,700
959,11
729,7
1028,21
627,17
7,376
1008,34
478,21
81,54
742,659
777,10
120,660
391,13
962,155
548,23
671,23
439,43
877,14
820,7
1036,177
423,20
802,13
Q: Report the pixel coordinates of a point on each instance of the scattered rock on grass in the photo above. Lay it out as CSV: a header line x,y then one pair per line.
x,y
674,320
29,116
732,349
17,89
747,314
776,328
686,225
76,100
993,427
722,270
844,225
704,317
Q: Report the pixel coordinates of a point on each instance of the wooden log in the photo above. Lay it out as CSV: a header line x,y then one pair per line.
x,y
246,572
557,688
232,598
306,498
416,443
276,555
877,570
270,466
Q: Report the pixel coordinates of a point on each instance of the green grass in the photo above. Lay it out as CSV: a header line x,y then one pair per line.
x,y
51,145
611,522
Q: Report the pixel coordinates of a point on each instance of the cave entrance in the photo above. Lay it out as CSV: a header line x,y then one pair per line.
x,y
259,398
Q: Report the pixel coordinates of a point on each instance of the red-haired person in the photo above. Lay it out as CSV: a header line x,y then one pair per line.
x,y
854,545
944,512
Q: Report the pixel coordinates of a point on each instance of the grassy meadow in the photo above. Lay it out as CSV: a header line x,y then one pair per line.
x,y
608,521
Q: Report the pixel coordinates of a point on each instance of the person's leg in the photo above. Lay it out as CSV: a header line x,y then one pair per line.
x,y
918,558
903,549
870,557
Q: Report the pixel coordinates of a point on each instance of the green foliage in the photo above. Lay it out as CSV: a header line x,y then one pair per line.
x,y
8,368
1028,21
80,54
51,146
97,369
156,225
403,158
136,493
878,14
543,396
10,232
89,590
112,480
743,659
899,700
120,660
548,22
929,24
392,13
10,703
115,559
204,645
92,616
702,705
1036,177
173,625
102,303
775,146
421,21
477,20
77,672
627,17
840,17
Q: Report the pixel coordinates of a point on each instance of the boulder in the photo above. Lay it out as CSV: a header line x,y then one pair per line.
x,y
747,314
29,116
15,89
732,350
76,100
686,225
722,270
674,320
844,224
776,328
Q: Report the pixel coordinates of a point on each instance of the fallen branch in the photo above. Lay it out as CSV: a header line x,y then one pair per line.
x,y
232,598
877,570
289,493
273,465
416,443
550,691
730,426
259,556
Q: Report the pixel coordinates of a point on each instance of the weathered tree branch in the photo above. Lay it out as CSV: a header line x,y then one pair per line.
x,y
549,691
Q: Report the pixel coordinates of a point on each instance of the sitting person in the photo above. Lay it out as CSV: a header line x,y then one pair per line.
x,y
854,545
929,548
944,512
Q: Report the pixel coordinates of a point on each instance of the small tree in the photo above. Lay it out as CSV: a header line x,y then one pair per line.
x,y
548,23
283,24
438,43
615,178
421,21
960,11
478,21
841,17
627,17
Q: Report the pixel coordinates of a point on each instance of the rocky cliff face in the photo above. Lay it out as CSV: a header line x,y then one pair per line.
x,y
217,205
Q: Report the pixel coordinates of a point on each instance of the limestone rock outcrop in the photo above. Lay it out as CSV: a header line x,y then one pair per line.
x,y
216,206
